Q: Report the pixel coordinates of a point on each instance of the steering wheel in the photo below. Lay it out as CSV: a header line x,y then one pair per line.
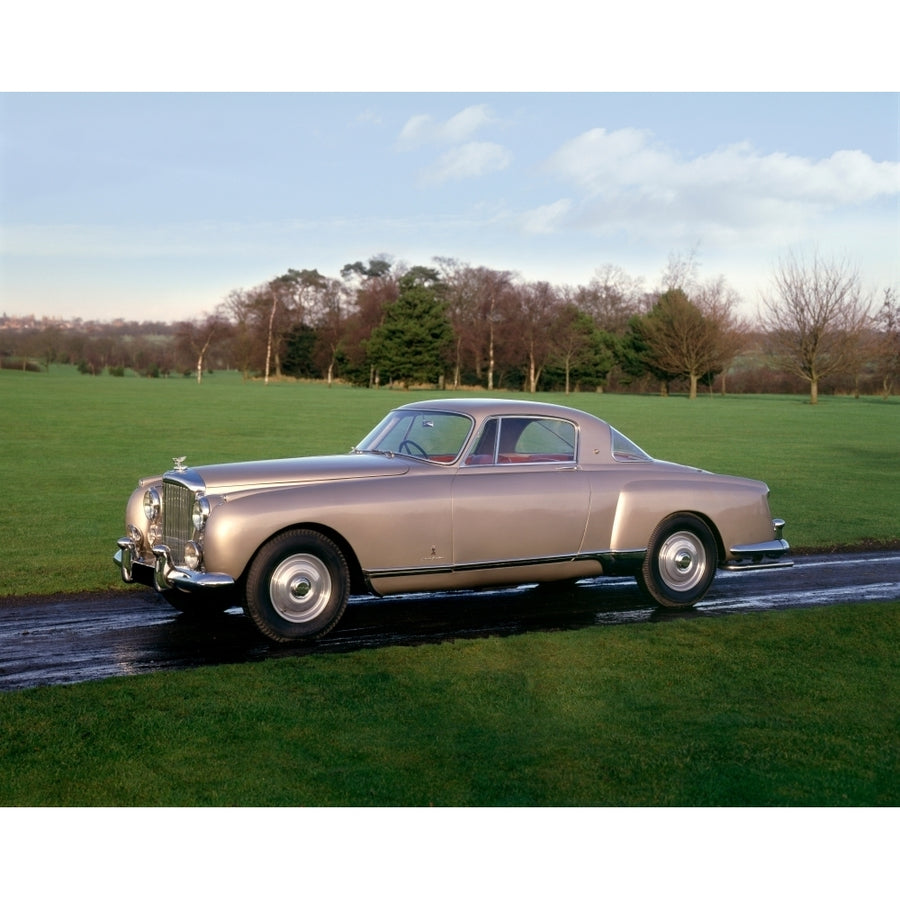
x,y
412,445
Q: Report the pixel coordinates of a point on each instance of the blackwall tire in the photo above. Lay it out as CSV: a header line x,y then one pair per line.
x,y
680,564
297,586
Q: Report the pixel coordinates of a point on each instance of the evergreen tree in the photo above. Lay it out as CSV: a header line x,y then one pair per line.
x,y
412,343
299,353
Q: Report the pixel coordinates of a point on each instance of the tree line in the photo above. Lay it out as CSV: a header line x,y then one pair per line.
x,y
454,325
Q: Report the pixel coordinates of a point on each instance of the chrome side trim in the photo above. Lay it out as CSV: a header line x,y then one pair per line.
x,y
608,560
402,573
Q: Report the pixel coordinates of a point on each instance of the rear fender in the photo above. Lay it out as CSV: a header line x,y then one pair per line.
x,y
732,511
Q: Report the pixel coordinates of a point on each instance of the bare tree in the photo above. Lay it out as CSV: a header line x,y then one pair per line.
x,y
681,272
718,303
611,298
461,295
197,336
887,341
496,294
282,295
814,318
329,315
238,307
476,306
536,312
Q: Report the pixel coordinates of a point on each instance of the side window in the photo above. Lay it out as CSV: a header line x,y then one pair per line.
x,y
483,453
537,440
523,439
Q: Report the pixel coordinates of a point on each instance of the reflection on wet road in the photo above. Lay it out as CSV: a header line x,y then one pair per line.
x,y
61,640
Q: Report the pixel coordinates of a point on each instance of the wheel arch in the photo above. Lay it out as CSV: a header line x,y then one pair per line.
x,y
710,524
638,515
358,583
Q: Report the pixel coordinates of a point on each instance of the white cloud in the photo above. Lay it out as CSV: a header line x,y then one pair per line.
x,y
465,123
545,219
466,158
416,131
423,129
629,182
468,161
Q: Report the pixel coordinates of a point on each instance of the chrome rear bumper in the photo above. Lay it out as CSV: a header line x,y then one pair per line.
x,y
765,555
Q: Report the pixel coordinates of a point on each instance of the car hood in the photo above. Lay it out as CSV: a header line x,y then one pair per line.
x,y
275,473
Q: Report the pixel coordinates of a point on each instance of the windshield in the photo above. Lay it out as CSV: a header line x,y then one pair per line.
x,y
435,436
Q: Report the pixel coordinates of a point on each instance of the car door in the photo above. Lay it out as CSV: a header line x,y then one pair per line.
x,y
520,497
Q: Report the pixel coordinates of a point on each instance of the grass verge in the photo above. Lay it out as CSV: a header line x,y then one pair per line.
x,y
795,708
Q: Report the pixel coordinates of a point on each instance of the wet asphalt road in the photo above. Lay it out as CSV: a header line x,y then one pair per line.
x,y
73,638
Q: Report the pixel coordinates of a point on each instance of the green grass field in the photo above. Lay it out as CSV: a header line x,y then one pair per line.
x,y
74,446
793,708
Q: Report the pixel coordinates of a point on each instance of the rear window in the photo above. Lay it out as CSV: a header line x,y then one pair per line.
x,y
624,450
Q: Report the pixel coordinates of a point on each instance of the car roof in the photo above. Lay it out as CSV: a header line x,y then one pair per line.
x,y
595,443
492,406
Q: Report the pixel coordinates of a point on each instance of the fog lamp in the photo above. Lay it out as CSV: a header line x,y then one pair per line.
x,y
192,555
135,534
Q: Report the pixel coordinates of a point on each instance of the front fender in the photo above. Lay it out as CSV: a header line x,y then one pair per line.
x,y
387,522
238,527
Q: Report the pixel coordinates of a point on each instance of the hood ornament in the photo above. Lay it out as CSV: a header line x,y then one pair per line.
x,y
179,463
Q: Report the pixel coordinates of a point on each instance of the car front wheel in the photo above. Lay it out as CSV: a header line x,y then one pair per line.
x,y
680,563
298,586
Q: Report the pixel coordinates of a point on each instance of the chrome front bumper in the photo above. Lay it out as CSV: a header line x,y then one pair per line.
x,y
765,555
163,574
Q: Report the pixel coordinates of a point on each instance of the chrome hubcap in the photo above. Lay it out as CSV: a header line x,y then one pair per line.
x,y
300,587
682,561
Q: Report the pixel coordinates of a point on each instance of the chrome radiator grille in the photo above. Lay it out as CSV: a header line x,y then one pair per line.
x,y
177,528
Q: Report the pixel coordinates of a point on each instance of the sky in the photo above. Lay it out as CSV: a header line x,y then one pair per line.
x,y
155,205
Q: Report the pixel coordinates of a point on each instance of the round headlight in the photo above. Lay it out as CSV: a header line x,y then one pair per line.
x,y
200,512
152,504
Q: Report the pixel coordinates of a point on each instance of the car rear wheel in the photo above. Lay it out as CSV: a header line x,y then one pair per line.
x,y
298,586
680,563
